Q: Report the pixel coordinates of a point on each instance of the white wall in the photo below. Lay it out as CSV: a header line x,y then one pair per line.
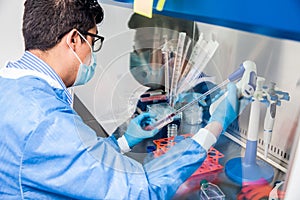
x,y
11,39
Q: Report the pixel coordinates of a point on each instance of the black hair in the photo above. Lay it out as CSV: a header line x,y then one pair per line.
x,y
45,22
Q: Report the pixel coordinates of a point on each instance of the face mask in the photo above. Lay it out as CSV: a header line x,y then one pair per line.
x,y
140,59
85,72
142,71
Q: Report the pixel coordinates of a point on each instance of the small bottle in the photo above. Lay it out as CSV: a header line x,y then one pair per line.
x,y
210,191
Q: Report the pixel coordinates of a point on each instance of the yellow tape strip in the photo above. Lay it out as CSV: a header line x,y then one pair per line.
x,y
160,5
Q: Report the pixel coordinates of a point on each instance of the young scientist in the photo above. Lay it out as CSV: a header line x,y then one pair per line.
x,y
46,150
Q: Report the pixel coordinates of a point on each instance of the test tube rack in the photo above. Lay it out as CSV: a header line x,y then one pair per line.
x,y
210,164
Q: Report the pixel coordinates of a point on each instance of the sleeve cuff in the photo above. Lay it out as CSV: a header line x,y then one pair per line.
x,y
205,138
123,144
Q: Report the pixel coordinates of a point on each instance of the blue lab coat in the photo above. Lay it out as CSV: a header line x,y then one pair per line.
x,y
47,152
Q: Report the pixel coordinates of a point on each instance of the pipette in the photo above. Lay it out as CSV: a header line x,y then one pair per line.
x,y
236,75
268,126
274,98
246,86
165,54
177,68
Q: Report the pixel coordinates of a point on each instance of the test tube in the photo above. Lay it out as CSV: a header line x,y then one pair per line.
x,y
172,130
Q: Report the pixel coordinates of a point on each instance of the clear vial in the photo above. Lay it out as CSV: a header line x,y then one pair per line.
x,y
172,130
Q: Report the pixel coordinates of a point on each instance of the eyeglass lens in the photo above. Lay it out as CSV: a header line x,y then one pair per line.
x,y
97,44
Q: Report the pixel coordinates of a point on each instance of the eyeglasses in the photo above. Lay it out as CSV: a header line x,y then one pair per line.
x,y
97,40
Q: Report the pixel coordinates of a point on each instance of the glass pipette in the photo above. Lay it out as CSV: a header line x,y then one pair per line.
x,y
236,75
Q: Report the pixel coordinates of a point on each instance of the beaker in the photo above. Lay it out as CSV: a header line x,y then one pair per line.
x,y
193,114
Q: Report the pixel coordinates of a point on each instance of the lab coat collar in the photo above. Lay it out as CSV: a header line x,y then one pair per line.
x,y
14,73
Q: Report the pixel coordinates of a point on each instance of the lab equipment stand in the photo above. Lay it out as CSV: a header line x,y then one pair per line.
x,y
248,169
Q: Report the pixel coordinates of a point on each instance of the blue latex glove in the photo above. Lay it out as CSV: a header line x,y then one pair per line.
x,y
135,132
229,108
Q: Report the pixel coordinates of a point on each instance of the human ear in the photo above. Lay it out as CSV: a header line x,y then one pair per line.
x,y
72,38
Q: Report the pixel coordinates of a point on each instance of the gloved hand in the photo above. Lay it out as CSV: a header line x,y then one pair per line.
x,y
229,108
259,191
135,132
